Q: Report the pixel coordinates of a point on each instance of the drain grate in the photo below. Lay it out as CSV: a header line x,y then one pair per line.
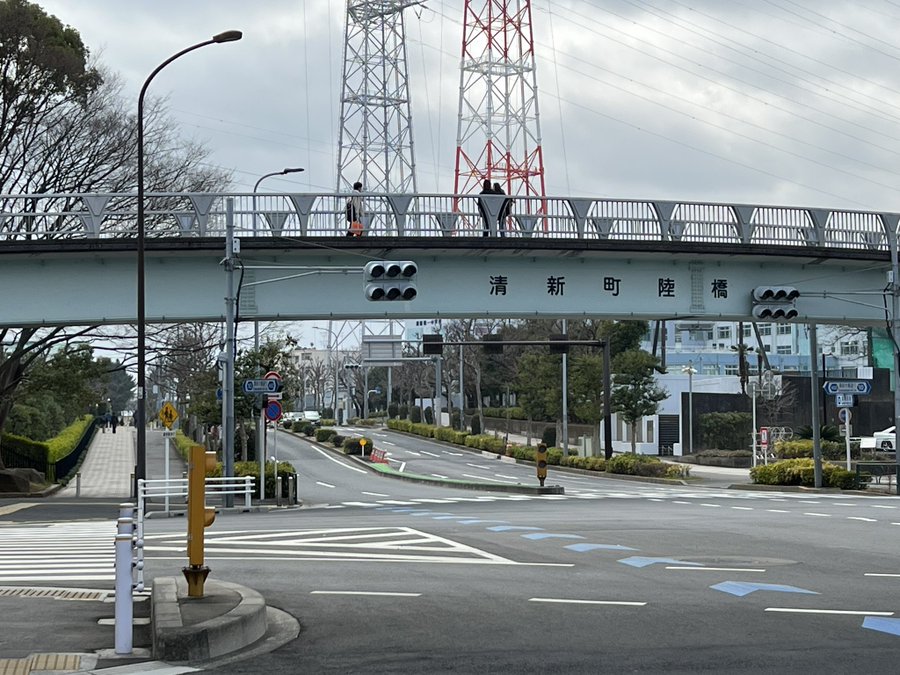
x,y
55,593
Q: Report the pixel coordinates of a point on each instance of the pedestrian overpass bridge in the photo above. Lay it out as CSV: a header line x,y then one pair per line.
x,y
70,259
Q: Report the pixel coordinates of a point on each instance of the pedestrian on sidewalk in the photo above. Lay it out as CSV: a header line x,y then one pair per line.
x,y
114,422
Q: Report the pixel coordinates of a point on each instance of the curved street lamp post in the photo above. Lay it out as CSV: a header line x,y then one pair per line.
x,y
140,411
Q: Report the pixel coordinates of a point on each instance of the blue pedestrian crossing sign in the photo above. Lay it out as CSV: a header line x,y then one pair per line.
x,y
858,387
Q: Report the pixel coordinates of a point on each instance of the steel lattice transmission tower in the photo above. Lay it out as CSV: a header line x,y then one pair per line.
x,y
376,137
499,132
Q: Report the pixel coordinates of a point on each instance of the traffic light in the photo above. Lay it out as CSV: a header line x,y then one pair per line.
x,y
432,343
490,348
540,458
775,303
563,347
391,280
200,516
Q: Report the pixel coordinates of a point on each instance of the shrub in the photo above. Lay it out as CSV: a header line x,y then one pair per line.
x,y
729,430
351,446
324,435
285,469
476,425
403,412
393,410
636,465
831,450
548,436
415,414
67,440
399,425
486,442
454,419
801,472
338,441
429,415
450,435
425,430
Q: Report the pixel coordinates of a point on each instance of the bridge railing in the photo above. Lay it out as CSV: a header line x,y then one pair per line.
x,y
303,215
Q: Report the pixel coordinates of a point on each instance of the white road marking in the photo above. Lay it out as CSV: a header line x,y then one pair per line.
x,y
677,502
876,574
431,454
493,480
478,466
865,520
384,593
589,602
818,515
844,504
777,511
716,569
852,612
715,506
337,461
413,452
374,494
501,475
402,467
328,485
437,475
742,508
455,454
389,443
882,506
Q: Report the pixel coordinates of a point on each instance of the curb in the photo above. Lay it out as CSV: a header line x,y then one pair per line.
x,y
234,618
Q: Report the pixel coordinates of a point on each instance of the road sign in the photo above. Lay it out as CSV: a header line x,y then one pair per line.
x,y
168,415
273,375
764,437
168,433
269,386
273,411
845,415
848,387
845,400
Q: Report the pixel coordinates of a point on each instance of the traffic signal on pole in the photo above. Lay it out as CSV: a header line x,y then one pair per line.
x,y
540,458
200,516
775,303
432,343
488,342
391,280
563,347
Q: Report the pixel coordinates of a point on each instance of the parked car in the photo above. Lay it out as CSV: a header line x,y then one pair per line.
x,y
881,440
313,417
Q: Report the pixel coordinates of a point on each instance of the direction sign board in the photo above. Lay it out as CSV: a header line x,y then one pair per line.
x,y
845,400
260,386
273,411
168,415
848,387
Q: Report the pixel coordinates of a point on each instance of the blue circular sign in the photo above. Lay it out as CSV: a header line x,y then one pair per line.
x,y
273,411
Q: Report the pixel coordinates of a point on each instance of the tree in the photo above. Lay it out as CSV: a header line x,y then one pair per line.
x,y
66,128
635,392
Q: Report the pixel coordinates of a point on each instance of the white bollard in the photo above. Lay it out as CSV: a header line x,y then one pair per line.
x,y
124,600
248,491
78,484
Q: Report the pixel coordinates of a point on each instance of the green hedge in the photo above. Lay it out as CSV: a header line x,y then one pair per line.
x,y
801,472
486,442
25,447
644,465
62,445
324,435
832,450
450,435
285,469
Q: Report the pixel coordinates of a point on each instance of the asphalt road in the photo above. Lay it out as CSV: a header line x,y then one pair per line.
x,y
388,576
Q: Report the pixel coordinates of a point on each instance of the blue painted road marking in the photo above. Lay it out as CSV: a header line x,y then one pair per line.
x,y
448,517
639,561
473,521
882,624
581,548
537,536
512,528
742,588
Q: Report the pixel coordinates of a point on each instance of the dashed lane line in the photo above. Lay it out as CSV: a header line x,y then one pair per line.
x,y
865,520
817,515
575,601
852,612
328,485
368,593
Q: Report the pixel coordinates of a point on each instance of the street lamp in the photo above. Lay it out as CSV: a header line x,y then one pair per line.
x,y
260,423
690,371
140,471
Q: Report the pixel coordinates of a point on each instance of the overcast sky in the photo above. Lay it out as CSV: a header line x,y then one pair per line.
x,y
784,102
751,101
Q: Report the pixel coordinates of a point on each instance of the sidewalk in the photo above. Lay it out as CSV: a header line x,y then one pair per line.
x,y
108,466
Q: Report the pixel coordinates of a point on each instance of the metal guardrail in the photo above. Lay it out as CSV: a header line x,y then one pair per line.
x,y
308,215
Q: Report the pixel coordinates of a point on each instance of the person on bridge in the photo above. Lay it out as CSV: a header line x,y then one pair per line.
x,y
355,211
504,210
486,189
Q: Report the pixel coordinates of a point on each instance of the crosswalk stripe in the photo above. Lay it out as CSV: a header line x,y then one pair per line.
x,y
70,552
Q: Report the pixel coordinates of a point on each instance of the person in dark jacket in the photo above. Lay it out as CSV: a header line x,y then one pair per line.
x,y
504,210
486,189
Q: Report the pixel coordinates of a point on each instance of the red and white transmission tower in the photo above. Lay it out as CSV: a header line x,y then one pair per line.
x,y
499,132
